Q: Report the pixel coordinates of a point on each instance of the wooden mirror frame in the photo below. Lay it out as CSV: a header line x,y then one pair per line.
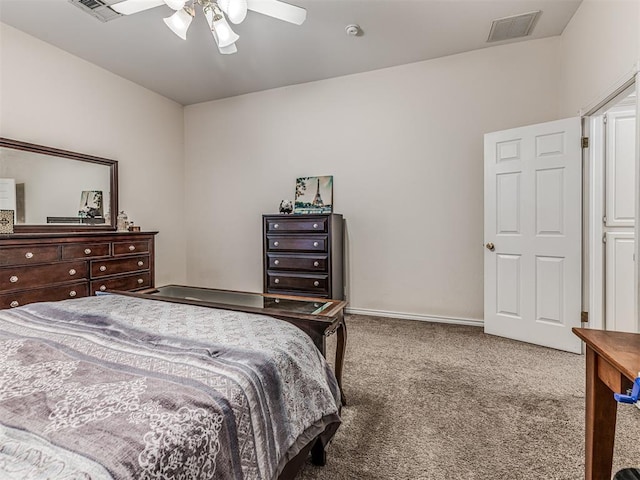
x,y
52,228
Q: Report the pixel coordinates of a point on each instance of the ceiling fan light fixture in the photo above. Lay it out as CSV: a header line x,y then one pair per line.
x,y
179,22
227,50
223,32
176,4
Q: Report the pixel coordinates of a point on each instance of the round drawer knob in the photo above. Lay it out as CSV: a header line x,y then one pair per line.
x,y
277,280
276,262
13,279
276,225
316,264
275,244
140,281
87,251
315,244
316,283
72,271
72,293
103,288
132,248
315,225
14,304
316,305
28,255
103,268
277,300
140,263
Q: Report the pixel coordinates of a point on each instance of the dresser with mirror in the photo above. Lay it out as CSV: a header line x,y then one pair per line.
x,y
64,242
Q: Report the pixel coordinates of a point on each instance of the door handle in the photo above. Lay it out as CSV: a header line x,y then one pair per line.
x,y
490,246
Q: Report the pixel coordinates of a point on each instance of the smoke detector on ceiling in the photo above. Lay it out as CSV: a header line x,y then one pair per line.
x,y
515,26
353,30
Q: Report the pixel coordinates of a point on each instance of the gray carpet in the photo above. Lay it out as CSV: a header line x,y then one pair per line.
x,y
435,401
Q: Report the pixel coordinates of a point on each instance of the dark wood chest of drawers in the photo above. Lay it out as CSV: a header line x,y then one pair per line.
x,y
49,267
303,255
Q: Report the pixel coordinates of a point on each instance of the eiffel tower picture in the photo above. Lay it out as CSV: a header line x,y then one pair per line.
x,y
314,195
317,201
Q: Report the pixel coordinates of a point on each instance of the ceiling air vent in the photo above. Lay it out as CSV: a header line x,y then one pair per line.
x,y
99,9
513,27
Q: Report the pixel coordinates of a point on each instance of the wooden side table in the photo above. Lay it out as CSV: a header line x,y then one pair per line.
x,y
613,362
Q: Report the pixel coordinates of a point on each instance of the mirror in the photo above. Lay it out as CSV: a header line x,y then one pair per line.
x,y
56,190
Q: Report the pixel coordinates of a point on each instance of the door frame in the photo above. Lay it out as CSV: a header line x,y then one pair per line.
x,y
594,203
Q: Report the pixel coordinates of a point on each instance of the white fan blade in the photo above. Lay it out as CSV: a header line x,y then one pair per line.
x,y
236,10
279,10
134,6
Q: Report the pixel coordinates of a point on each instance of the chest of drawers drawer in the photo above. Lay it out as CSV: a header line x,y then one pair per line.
x,y
130,248
299,224
310,243
83,250
29,255
18,278
125,282
102,268
44,294
282,261
314,284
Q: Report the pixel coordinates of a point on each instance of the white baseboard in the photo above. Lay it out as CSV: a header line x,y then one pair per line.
x,y
416,316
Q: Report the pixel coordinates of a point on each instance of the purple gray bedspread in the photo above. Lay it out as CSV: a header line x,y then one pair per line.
x,y
115,387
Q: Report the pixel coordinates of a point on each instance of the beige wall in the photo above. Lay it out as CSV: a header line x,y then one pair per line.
x,y
405,146
599,49
52,98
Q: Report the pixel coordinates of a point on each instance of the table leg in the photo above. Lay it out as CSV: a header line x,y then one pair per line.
x,y
340,354
600,422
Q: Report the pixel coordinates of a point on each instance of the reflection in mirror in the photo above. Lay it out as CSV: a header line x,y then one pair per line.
x,y
56,188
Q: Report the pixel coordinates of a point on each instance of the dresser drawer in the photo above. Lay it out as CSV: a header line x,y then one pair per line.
x,y
46,294
28,255
288,281
129,248
297,244
101,268
19,278
85,250
127,282
297,224
311,263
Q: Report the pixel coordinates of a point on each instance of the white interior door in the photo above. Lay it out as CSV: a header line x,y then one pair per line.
x,y
532,225
619,220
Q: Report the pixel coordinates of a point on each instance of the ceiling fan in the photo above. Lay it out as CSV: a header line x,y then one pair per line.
x,y
216,13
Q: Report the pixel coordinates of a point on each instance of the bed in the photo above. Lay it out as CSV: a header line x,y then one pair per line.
x,y
118,387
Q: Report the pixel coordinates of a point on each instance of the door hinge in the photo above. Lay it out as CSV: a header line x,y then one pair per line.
x,y
585,142
604,118
604,219
604,238
584,317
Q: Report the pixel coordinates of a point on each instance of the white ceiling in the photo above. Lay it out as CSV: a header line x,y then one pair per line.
x,y
272,53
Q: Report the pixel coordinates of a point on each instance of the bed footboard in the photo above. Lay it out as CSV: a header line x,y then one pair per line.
x,y
317,447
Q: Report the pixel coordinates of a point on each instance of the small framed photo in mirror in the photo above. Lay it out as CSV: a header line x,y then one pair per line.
x,y
91,204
